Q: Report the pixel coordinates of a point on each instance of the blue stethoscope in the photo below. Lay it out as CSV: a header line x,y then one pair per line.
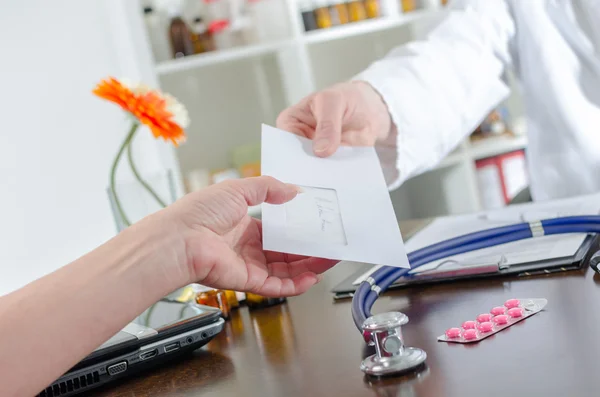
x,y
383,331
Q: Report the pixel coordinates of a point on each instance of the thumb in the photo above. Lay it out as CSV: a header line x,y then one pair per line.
x,y
265,189
328,109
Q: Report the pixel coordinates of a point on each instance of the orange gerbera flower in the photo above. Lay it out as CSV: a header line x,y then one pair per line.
x,y
163,114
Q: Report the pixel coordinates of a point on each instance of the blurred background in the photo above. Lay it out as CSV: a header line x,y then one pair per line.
x,y
234,64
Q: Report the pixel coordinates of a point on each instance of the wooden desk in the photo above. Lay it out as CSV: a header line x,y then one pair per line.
x,y
310,347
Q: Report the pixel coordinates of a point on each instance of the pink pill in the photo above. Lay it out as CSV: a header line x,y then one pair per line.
x,y
470,334
501,319
483,318
496,311
485,327
469,325
512,303
453,332
515,312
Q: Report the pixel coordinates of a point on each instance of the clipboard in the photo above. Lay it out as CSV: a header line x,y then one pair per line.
x,y
540,255
477,270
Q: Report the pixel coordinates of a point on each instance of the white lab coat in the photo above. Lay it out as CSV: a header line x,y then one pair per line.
x,y
440,89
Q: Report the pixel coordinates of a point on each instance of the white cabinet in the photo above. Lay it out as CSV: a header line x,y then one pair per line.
x,y
230,93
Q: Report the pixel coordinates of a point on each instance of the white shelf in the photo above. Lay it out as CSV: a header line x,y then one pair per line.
x,y
220,56
490,147
364,27
318,36
453,190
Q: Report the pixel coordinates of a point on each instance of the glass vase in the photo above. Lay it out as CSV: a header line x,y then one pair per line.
x,y
137,202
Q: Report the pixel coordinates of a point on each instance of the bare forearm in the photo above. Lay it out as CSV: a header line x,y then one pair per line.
x,y
51,324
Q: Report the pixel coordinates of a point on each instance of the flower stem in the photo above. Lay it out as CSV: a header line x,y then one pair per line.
x,y
140,179
113,172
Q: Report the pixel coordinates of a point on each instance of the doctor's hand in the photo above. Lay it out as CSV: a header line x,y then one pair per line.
x,y
350,113
223,244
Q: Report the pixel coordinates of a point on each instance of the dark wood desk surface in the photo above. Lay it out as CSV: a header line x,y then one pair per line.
x,y
310,347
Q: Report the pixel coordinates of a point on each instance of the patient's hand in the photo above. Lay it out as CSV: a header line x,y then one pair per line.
x,y
224,244
205,237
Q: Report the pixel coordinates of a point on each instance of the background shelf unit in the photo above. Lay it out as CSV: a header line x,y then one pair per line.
x,y
494,146
230,93
198,61
305,38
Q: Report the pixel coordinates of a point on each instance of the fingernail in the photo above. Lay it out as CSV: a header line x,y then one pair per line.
x,y
321,145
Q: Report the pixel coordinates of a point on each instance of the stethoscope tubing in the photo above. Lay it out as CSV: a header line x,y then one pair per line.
x,y
366,295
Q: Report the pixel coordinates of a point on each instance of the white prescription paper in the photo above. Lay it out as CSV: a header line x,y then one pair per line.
x,y
345,211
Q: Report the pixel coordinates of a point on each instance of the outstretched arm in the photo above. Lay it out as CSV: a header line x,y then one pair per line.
x,y
439,90
416,104
207,237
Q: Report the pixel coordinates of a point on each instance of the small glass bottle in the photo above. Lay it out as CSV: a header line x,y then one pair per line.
x,y
340,9
199,30
356,10
322,15
409,5
372,8
254,301
232,299
215,298
308,15
180,34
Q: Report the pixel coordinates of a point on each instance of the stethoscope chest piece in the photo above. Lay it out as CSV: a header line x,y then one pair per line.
x,y
384,331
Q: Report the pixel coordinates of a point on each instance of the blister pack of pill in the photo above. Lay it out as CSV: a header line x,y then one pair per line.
x,y
494,321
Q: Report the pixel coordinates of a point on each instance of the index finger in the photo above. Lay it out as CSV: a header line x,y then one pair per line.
x,y
298,119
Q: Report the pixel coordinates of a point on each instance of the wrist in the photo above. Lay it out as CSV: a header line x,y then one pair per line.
x,y
379,107
157,249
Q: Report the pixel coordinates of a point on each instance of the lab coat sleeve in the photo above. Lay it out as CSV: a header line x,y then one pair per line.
x,y
439,90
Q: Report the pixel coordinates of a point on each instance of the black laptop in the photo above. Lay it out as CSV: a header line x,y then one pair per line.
x,y
165,331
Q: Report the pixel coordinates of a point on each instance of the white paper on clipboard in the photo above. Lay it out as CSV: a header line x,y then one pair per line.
x,y
518,252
